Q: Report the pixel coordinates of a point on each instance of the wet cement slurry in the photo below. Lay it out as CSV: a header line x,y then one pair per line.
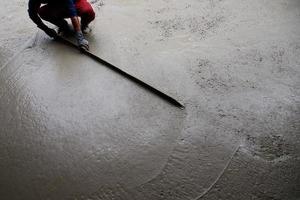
x,y
72,129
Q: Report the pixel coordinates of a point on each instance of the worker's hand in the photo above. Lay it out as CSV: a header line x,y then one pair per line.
x,y
82,42
51,32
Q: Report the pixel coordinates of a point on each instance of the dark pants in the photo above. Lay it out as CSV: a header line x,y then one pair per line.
x,y
55,14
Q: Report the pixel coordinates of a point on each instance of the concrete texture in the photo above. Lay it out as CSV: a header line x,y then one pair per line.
x,y
73,129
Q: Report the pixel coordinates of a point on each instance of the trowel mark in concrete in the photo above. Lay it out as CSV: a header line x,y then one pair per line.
x,y
260,178
173,183
197,151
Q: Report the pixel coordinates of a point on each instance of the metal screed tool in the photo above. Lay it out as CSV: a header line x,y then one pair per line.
x,y
162,95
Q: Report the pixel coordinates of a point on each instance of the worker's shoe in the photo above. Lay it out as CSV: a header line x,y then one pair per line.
x,y
50,32
83,44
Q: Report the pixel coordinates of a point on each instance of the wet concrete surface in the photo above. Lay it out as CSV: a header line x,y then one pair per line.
x,y
73,129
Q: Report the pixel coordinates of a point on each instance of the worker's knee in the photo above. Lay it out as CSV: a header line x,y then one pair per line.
x,y
88,13
92,14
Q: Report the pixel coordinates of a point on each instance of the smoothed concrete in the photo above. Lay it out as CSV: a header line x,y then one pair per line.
x,y
72,129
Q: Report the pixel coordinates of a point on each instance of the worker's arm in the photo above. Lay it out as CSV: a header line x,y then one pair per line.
x,y
33,7
76,23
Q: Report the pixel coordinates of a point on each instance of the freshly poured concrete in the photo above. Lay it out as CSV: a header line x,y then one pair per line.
x,y
72,129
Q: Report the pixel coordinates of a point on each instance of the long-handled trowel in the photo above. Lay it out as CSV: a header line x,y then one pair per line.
x,y
125,74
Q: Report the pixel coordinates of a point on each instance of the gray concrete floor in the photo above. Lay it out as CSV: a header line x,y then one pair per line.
x,y
73,129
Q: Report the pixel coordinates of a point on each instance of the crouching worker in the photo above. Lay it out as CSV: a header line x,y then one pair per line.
x,y
55,12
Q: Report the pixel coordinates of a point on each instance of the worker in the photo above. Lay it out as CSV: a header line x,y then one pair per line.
x,y
55,12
